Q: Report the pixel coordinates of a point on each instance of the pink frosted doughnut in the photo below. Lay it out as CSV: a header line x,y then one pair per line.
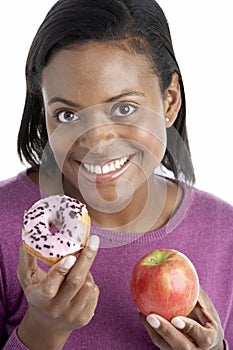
x,y
54,227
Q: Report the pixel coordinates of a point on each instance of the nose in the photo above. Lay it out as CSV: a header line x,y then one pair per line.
x,y
96,130
98,138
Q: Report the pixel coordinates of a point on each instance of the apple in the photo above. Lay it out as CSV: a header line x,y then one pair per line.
x,y
165,282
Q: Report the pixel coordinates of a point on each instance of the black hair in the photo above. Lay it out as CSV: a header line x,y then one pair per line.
x,y
69,22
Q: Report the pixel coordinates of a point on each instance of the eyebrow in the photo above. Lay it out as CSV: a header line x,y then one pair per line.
x,y
111,99
125,94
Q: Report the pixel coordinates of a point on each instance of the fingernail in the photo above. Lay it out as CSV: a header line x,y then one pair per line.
x,y
69,261
178,323
93,242
153,321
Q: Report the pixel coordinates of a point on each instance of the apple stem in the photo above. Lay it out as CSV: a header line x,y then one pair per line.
x,y
154,261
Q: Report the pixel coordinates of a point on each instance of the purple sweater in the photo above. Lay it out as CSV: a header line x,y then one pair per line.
x,y
202,228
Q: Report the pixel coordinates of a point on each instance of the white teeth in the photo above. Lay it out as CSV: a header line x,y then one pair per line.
x,y
122,161
98,169
112,166
88,167
117,164
106,168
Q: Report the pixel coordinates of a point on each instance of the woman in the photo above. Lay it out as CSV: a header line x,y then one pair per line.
x,y
105,107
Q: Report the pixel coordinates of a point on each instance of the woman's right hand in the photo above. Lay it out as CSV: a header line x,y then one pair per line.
x,y
59,301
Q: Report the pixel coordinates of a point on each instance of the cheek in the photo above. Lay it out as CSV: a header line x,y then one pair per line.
x,y
156,148
153,155
60,143
152,143
60,151
152,135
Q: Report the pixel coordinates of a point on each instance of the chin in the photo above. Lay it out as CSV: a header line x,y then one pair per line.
x,y
106,200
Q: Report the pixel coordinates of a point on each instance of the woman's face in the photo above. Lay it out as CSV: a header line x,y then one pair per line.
x,y
105,121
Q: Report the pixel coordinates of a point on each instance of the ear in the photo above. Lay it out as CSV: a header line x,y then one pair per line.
x,y
172,101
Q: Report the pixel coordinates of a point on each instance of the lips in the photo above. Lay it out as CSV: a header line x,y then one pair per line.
x,y
107,171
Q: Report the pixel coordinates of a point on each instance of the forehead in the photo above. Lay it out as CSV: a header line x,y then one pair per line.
x,y
96,68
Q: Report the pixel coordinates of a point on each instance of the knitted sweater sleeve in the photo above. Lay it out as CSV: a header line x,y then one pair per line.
x,y
8,330
14,343
6,342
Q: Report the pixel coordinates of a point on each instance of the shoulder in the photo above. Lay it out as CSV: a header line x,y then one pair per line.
x,y
13,181
16,195
17,185
211,203
209,209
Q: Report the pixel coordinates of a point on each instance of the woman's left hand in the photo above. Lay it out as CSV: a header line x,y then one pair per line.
x,y
201,330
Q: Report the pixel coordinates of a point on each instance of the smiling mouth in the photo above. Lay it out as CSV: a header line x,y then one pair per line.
x,y
109,167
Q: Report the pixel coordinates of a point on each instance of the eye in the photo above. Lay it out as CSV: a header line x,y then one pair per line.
x,y
123,110
67,117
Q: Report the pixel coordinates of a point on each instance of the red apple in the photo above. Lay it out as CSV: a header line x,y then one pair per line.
x,y
165,282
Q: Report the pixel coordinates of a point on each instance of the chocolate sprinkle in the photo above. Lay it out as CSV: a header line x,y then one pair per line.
x,y
61,212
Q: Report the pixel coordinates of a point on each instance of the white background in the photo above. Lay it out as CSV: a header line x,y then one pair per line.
x,y
202,36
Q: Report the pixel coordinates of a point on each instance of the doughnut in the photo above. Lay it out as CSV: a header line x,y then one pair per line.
x,y
54,227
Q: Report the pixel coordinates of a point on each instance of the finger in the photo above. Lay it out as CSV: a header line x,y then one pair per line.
x,y
27,267
83,305
205,303
77,276
169,333
55,277
81,295
90,280
87,288
155,337
197,315
206,337
86,294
